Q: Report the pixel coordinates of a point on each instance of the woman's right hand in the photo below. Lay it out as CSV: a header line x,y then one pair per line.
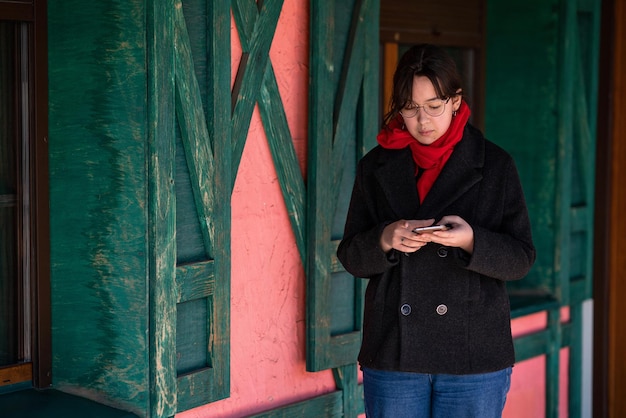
x,y
400,236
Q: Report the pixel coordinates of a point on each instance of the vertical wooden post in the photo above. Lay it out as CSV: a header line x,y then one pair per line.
x,y
42,358
610,262
161,208
346,378
553,363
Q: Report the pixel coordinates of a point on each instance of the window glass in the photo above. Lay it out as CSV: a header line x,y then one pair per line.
x,y
9,280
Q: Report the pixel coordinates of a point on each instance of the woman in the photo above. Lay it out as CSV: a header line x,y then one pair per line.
x,y
437,337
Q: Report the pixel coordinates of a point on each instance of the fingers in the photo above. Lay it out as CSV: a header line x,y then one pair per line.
x,y
400,236
461,234
408,245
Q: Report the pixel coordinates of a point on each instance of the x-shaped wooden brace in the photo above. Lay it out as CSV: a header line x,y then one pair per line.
x,y
256,25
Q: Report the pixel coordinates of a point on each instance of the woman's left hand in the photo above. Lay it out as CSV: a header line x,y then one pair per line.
x,y
460,235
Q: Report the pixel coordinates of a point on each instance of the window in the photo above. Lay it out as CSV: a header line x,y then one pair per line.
x,y
24,249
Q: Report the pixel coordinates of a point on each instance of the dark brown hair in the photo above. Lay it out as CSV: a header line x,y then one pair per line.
x,y
423,60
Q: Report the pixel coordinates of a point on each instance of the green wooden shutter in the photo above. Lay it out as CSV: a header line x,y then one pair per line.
x,y
344,118
203,282
577,145
521,115
541,88
576,161
190,172
541,106
203,276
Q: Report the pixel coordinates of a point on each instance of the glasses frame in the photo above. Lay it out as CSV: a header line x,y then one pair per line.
x,y
417,107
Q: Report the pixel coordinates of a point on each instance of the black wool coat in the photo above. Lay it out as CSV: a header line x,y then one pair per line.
x,y
440,309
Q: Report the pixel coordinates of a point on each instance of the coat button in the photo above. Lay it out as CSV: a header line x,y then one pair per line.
x,y
442,252
405,309
442,309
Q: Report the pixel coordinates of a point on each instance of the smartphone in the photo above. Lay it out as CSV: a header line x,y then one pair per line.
x,y
421,229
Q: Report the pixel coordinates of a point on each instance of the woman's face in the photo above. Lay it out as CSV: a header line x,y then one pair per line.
x,y
424,127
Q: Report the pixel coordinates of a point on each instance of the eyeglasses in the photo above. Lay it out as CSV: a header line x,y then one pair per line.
x,y
433,108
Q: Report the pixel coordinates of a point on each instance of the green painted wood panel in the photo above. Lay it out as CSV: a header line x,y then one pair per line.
x,y
580,76
161,213
126,88
541,105
522,104
98,200
328,406
202,88
343,122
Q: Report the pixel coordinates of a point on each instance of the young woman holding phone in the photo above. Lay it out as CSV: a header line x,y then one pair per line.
x,y
436,337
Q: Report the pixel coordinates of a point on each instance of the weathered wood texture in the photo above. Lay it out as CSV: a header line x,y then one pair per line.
x,y
161,212
558,179
328,406
98,201
541,106
578,126
347,401
256,83
116,119
204,187
343,114
522,86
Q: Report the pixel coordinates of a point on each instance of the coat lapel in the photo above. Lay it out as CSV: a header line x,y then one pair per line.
x,y
396,176
461,172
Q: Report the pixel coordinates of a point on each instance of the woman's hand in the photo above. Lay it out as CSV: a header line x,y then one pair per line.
x,y
460,235
400,236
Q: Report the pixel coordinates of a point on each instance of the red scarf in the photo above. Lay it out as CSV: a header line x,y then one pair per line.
x,y
429,158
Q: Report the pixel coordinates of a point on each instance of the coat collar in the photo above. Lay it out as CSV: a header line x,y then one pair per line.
x,y
396,175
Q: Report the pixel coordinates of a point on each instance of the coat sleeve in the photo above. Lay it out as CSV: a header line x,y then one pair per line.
x,y
506,252
359,251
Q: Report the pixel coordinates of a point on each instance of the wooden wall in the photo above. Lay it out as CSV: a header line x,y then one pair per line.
x,y
447,22
98,198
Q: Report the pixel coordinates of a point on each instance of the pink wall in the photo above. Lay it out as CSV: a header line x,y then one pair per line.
x,y
526,398
268,284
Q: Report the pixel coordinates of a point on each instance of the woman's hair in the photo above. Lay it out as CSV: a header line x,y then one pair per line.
x,y
423,60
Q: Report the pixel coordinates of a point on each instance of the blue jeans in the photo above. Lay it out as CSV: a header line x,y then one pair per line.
x,y
416,395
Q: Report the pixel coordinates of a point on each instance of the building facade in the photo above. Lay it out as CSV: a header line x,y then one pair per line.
x,y
175,178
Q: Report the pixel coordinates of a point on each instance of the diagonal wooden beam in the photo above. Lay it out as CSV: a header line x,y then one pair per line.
x,y
284,155
349,92
195,135
206,136
258,39
248,19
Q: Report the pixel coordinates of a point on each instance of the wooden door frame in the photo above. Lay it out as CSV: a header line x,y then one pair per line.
x,y
39,368
609,259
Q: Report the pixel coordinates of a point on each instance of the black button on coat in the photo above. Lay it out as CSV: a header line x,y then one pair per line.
x,y
479,183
